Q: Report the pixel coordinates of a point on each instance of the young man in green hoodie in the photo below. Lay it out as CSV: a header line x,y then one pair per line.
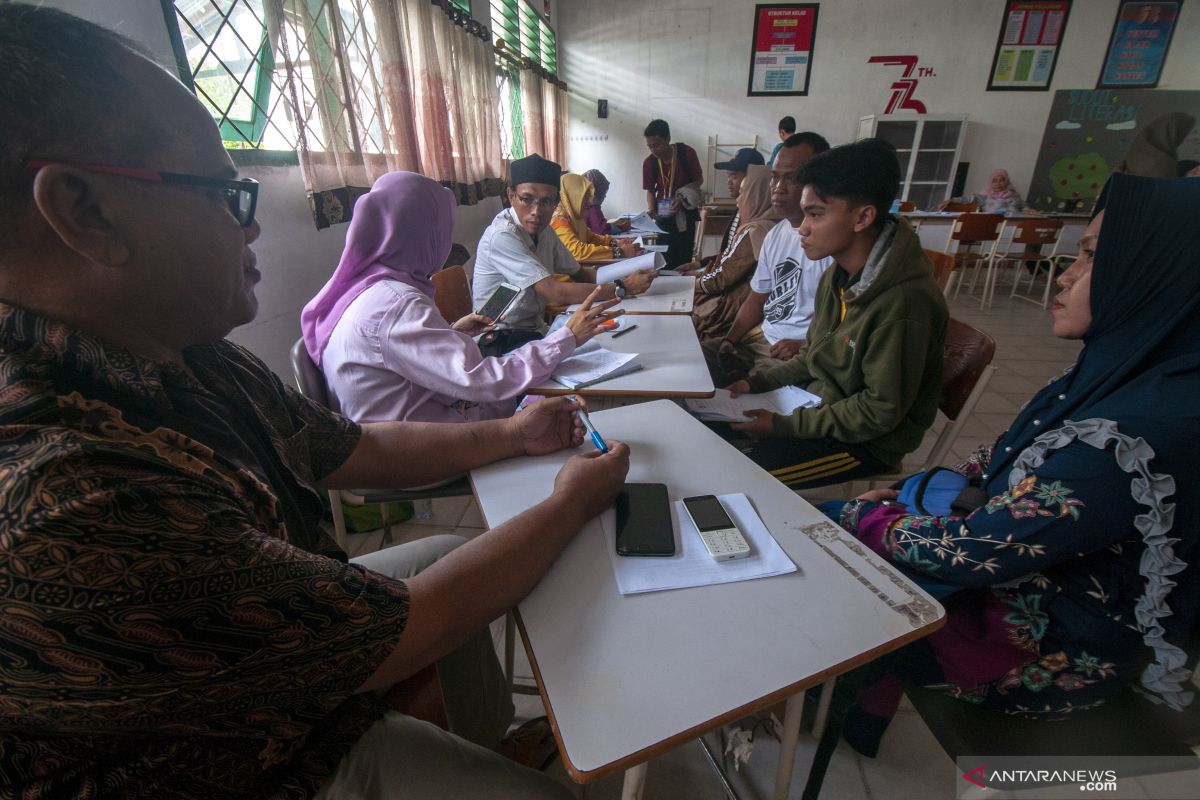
x,y
874,352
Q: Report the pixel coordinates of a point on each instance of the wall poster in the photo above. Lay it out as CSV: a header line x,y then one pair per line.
x,y
1138,46
1027,48
782,51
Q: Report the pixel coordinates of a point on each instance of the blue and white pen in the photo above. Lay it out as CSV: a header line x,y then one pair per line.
x,y
597,439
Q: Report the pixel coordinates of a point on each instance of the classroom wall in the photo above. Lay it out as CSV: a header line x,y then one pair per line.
x,y
295,258
687,61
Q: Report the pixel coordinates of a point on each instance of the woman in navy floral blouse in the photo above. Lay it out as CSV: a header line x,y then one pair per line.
x,y
1079,576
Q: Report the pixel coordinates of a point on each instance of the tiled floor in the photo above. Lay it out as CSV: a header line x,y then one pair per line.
x,y
910,763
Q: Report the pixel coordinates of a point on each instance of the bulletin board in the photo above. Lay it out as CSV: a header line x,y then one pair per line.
x,y
1088,133
1027,48
782,48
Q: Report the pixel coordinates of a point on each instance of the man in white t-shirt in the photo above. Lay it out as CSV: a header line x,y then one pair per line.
x,y
517,249
772,324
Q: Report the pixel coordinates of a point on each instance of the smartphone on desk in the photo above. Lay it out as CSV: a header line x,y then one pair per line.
x,y
644,521
719,533
500,302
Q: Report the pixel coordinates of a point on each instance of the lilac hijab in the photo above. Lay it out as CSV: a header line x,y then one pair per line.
x,y
401,230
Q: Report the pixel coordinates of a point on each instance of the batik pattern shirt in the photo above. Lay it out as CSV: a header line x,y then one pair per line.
x,y
1044,620
168,624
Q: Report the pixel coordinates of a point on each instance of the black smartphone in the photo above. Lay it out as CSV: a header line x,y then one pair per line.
x,y
644,521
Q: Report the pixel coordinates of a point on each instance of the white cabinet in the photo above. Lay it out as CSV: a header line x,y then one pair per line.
x,y
928,147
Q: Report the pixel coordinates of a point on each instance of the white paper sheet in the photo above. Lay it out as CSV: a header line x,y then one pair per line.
x,y
722,407
691,565
627,266
591,364
642,223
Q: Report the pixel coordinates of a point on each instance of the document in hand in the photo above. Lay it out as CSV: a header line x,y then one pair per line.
x,y
691,565
722,407
619,269
651,248
591,364
643,223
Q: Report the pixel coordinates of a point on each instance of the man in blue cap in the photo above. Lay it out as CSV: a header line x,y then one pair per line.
x,y
735,169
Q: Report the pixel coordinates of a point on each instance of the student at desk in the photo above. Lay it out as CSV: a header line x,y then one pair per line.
x,y
596,221
517,249
998,197
385,349
874,352
1079,576
723,284
576,197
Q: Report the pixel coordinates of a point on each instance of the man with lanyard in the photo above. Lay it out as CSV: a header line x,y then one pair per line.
x,y
874,352
514,250
669,170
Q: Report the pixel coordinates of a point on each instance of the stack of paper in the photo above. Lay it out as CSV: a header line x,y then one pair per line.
x,y
723,407
591,364
627,266
692,565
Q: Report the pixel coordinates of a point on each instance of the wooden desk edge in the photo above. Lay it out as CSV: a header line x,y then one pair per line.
x,y
696,731
591,391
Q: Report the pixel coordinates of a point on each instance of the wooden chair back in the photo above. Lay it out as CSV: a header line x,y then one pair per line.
x,y
943,265
452,293
968,351
1037,232
960,208
975,227
907,206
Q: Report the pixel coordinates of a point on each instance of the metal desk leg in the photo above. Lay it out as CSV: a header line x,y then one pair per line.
x,y
635,782
793,710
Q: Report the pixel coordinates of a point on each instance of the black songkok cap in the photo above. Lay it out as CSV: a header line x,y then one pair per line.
x,y
534,169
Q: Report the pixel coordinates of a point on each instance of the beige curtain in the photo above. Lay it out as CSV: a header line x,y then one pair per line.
x,y
543,115
381,85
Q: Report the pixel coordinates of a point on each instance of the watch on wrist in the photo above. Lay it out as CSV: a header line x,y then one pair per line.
x,y
619,289
616,248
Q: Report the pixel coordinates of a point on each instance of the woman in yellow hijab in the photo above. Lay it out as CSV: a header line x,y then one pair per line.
x,y
574,198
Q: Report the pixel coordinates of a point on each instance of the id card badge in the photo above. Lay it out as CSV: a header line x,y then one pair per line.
x,y
664,208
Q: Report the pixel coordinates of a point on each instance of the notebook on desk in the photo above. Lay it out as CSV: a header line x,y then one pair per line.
x,y
592,364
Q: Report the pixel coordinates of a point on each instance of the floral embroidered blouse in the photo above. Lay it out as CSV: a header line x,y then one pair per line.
x,y
1049,574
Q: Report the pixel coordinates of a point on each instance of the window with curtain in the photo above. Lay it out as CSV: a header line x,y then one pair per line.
x,y
533,100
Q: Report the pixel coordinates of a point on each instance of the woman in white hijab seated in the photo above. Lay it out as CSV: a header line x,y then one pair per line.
x,y
386,351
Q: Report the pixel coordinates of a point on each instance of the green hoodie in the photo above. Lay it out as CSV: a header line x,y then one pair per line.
x,y
879,370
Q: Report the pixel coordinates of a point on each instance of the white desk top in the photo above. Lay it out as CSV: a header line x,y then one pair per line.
x,y
669,294
625,678
669,352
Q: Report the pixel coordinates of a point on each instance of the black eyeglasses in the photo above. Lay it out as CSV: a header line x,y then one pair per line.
x,y
241,194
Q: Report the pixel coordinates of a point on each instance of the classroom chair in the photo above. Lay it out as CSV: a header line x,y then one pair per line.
x,y
1054,265
452,293
943,267
1030,238
970,231
311,383
959,208
906,206
966,372
1127,725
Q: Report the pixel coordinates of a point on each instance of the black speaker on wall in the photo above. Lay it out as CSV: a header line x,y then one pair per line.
x,y
602,109
960,179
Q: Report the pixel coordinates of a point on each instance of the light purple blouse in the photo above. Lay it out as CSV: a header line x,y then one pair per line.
x,y
392,356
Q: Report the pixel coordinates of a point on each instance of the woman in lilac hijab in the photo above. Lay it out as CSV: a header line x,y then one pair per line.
x,y
386,351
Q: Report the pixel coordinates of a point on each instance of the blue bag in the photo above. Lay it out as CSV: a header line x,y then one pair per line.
x,y
933,492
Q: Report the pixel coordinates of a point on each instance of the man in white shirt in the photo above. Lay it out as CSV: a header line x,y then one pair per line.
x,y
516,249
772,324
